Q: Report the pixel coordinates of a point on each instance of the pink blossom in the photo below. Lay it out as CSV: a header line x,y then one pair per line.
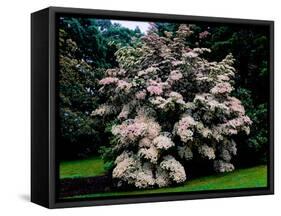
x,y
155,88
235,105
174,168
203,34
153,129
207,152
123,85
163,142
150,154
183,128
175,75
222,88
187,122
145,142
141,95
235,125
177,63
247,120
108,80
134,130
124,113
223,78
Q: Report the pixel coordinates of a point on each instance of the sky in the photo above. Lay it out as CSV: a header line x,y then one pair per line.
x,y
133,24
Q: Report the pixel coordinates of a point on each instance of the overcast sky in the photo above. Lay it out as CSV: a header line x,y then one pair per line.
x,y
133,24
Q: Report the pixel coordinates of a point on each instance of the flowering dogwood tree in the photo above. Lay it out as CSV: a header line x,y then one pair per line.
x,y
170,104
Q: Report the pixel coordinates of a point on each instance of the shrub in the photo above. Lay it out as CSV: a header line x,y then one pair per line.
x,y
170,104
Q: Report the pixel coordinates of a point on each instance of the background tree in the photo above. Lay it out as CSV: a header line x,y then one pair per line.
x,y
86,49
77,87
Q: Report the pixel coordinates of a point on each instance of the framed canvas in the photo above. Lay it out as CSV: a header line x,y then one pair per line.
x,y
138,107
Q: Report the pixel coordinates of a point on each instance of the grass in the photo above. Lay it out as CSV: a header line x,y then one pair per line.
x,y
241,178
92,166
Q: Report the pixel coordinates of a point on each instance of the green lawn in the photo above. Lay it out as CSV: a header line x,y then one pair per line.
x,y
241,178
92,166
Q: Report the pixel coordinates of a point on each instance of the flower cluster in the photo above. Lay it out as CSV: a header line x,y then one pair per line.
x,y
174,168
123,85
108,81
170,103
184,128
235,125
221,166
222,88
235,105
175,75
155,88
132,171
151,153
124,112
207,152
102,110
141,95
130,131
203,34
163,142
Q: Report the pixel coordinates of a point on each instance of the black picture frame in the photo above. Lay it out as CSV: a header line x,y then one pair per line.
x,y
44,164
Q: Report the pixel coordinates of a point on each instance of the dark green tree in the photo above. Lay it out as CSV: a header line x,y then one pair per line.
x,y
86,49
86,34
77,81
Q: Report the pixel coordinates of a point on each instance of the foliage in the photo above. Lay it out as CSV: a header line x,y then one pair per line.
x,y
77,94
85,32
87,47
171,104
98,39
256,143
121,36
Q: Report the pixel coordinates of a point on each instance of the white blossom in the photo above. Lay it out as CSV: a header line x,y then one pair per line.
x,y
222,88
150,154
163,142
144,177
102,110
174,168
184,128
221,166
207,152
162,177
